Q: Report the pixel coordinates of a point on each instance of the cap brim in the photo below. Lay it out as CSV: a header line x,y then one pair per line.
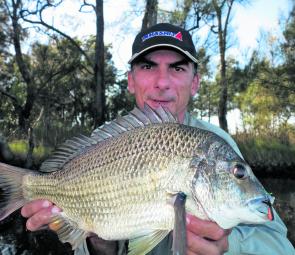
x,y
190,56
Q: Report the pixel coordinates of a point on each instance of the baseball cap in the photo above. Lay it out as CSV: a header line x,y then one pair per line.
x,y
164,35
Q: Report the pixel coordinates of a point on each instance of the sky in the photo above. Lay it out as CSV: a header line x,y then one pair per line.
x,y
122,22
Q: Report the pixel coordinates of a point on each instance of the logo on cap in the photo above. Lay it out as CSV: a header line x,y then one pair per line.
x,y
177,35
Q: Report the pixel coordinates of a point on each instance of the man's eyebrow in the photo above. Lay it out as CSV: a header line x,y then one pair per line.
x,y
146,61
180,62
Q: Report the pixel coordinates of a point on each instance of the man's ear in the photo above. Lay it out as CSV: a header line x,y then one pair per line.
x,y
195,84
130,83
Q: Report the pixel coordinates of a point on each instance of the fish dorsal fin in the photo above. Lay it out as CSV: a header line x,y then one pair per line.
x,y
67,151
135,119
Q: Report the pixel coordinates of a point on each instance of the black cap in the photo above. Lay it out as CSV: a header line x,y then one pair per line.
x,y
164,35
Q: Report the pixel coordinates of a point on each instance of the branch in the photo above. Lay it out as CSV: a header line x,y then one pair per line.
x,y
61,71
24,13
212,29
14,100
198,18
227,18
8,9
12,97
38,118
87,4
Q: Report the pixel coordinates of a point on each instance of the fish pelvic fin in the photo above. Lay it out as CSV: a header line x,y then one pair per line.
x,y
11,192
67,230
146,242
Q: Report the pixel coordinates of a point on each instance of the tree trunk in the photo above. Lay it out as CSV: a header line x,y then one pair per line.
x,y
150,14
222,107
31,143
25,111
5,152
99,105
222,37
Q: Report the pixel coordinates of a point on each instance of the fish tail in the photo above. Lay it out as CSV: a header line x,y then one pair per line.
x,y
11,193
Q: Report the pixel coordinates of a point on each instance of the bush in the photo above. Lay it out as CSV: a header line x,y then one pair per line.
x,y
267,152
20,149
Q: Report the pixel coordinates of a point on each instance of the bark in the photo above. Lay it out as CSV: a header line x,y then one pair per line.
x,y
99,105
222,37
150,14
29,159
23,111
5,152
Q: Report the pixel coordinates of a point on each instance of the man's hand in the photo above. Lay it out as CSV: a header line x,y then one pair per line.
x,y
205,237
38,213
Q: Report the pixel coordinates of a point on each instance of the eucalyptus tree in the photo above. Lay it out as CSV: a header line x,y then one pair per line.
x,y
288,48
216,16
33,13
150,14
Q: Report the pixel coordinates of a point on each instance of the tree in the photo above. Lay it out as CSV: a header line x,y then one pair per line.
x,y
261,109
99,105
194,14
5,70
4,27
289,51
61,107
222,29
150,14
23,111
35,16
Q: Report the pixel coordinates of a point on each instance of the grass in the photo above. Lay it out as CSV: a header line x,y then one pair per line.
x,y
266,151
21,147
260,151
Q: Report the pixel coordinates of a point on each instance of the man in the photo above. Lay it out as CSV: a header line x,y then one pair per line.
x,y
164,72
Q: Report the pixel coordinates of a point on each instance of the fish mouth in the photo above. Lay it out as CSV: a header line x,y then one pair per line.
x,y
263,206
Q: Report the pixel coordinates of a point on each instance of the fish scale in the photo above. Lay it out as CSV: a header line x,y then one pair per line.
x,y
120,183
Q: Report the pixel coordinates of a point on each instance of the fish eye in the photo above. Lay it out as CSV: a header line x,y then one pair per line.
x,y
239,171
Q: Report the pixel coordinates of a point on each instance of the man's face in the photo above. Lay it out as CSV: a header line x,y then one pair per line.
x,y
166,78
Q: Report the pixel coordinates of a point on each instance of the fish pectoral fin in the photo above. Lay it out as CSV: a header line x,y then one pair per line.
x,y
67,230
145,243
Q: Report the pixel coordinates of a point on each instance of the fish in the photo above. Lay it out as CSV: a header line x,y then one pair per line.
x,y
121,182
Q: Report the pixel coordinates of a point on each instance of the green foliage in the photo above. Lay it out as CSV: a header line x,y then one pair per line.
x,y
62,83
20,149
289,45
3,29
267,151
260,109
119,100
205,103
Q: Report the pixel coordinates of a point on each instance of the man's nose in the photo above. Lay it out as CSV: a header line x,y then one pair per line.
x,y
163,80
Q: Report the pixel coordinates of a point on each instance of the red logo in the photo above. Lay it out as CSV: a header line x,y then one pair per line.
x,y
178,36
